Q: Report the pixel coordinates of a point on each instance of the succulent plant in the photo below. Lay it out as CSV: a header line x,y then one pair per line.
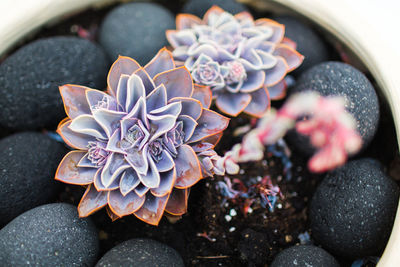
x,y
138,144
243,61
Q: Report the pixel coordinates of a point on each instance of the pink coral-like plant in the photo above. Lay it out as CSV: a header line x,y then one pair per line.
x,y
243,60
138,144
332,130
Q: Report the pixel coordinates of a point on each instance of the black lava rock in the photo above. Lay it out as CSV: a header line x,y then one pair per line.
x,y
199,7
337,78
308,42
304,256
30,77
141,252
49,235
136,30
353,209
28,162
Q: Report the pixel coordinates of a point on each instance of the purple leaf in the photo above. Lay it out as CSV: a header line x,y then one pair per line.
x,y
259,104
163,61
161,124
138,160
91,201
177,202
113,169
190,106
166,183
74,139
69,172
129,181
255,80
86,124
178,82
187,165
135,91
189,125
209,123
123,65
146,80
277,73
74,99
124,205
165,163
232,104
108,120
152,178
152,209
122,90
157,98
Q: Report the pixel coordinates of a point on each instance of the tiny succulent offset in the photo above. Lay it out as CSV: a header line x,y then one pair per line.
x,y
243,61
141,145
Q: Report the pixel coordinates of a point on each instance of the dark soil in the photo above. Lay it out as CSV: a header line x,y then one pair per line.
x,y
205,236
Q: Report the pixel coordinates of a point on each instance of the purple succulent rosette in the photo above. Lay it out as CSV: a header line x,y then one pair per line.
x,y
139,144
243,61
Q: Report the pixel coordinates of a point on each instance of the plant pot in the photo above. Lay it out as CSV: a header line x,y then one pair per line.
x,y
335,17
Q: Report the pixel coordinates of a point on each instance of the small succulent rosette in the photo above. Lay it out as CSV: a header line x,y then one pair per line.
x,y
140,145
243,61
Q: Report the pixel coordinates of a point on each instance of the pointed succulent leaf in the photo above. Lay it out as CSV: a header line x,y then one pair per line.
x,y
166,183
292,57
74,99
147,81
189,126
129,181
161,124
98,184
260,103
165,163
69,172
124,205
209,123
138,160
187,21
123,65
277,73
177,202
157,98
190,106
100,100
141,190
178,82
113,169
173,109
163,61
135,90
122,90
152,178
255,80
91,201
277,91
108,120
233,104
152,209
187,165
86,124
74,139
203,94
